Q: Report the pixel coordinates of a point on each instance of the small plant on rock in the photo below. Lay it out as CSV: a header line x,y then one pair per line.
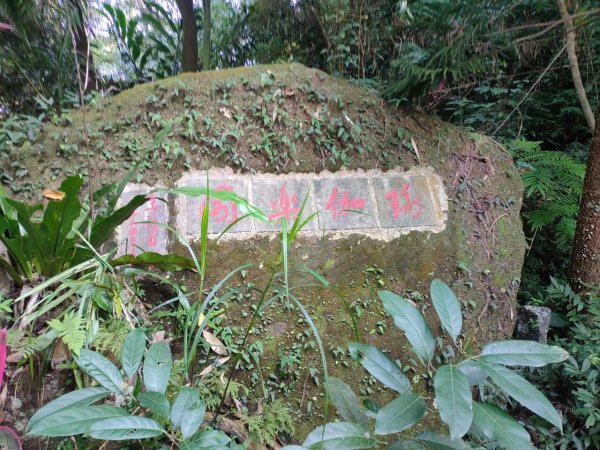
x,y
452,383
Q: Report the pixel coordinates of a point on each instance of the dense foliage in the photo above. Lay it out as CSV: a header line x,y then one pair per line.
x,y
495,67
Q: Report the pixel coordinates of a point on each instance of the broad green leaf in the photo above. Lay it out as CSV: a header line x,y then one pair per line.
x,y
434,441
382,367
338,435
125,428
157,367
522,391
100,369
399,414
80,397
206,440
70,421
133,351
406,444
59,217
447,307
411,322
522,353
472,371
104,227
188,411
169,262
453,399
493,423
346,402
155,402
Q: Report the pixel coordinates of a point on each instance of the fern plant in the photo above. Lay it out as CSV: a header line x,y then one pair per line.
x,y
553,185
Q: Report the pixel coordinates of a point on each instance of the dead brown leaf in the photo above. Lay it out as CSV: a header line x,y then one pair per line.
x,y
53,194
215,343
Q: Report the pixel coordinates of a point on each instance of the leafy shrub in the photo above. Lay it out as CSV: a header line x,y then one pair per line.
x,y
451,382
574,385
178,420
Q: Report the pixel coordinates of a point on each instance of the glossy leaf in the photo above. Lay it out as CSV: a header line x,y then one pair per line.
x,y
453,400
68,422
522,353
206,440
100,369
155,402
188,411
346,402
104,227
447,307
472,371
406,444
157,367
412,323
493,423
522,391
80,397
133,351
399,414
125,428
339,435
382,367
169,262
434,441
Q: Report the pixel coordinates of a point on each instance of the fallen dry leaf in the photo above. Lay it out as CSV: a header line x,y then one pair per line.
x,y
53,194
225,111
215,343
217,363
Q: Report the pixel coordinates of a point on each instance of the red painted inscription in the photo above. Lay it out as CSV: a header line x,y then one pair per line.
x,y
410,204
340,205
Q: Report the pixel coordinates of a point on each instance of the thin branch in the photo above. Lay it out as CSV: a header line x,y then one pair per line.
x,y
531,89
575,73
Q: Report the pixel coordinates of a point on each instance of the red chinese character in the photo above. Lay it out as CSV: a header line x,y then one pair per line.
x,y
409,203
344,204
152,226
132,231
285,206
219,210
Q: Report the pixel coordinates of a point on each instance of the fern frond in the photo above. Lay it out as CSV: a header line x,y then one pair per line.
x,y
72,329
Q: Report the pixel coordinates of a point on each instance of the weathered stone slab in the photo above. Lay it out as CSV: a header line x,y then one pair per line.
x,y
142,232
221,214
379,204
404,201
282,198
345,203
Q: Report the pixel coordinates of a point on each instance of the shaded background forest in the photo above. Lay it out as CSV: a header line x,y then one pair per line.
x,y
494,67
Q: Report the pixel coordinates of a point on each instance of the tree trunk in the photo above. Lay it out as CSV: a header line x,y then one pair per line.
x,y
206,35
575,73
189,53
585,260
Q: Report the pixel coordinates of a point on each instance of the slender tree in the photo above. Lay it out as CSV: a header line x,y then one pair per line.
x,y
189,53
206,24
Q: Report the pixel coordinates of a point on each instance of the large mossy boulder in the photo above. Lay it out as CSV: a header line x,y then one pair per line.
x,y
285,119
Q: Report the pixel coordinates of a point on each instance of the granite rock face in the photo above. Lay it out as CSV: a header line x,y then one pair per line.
x,y
397,199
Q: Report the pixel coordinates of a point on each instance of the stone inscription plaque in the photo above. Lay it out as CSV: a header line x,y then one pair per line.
x,y
142,232
378,204
362,201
